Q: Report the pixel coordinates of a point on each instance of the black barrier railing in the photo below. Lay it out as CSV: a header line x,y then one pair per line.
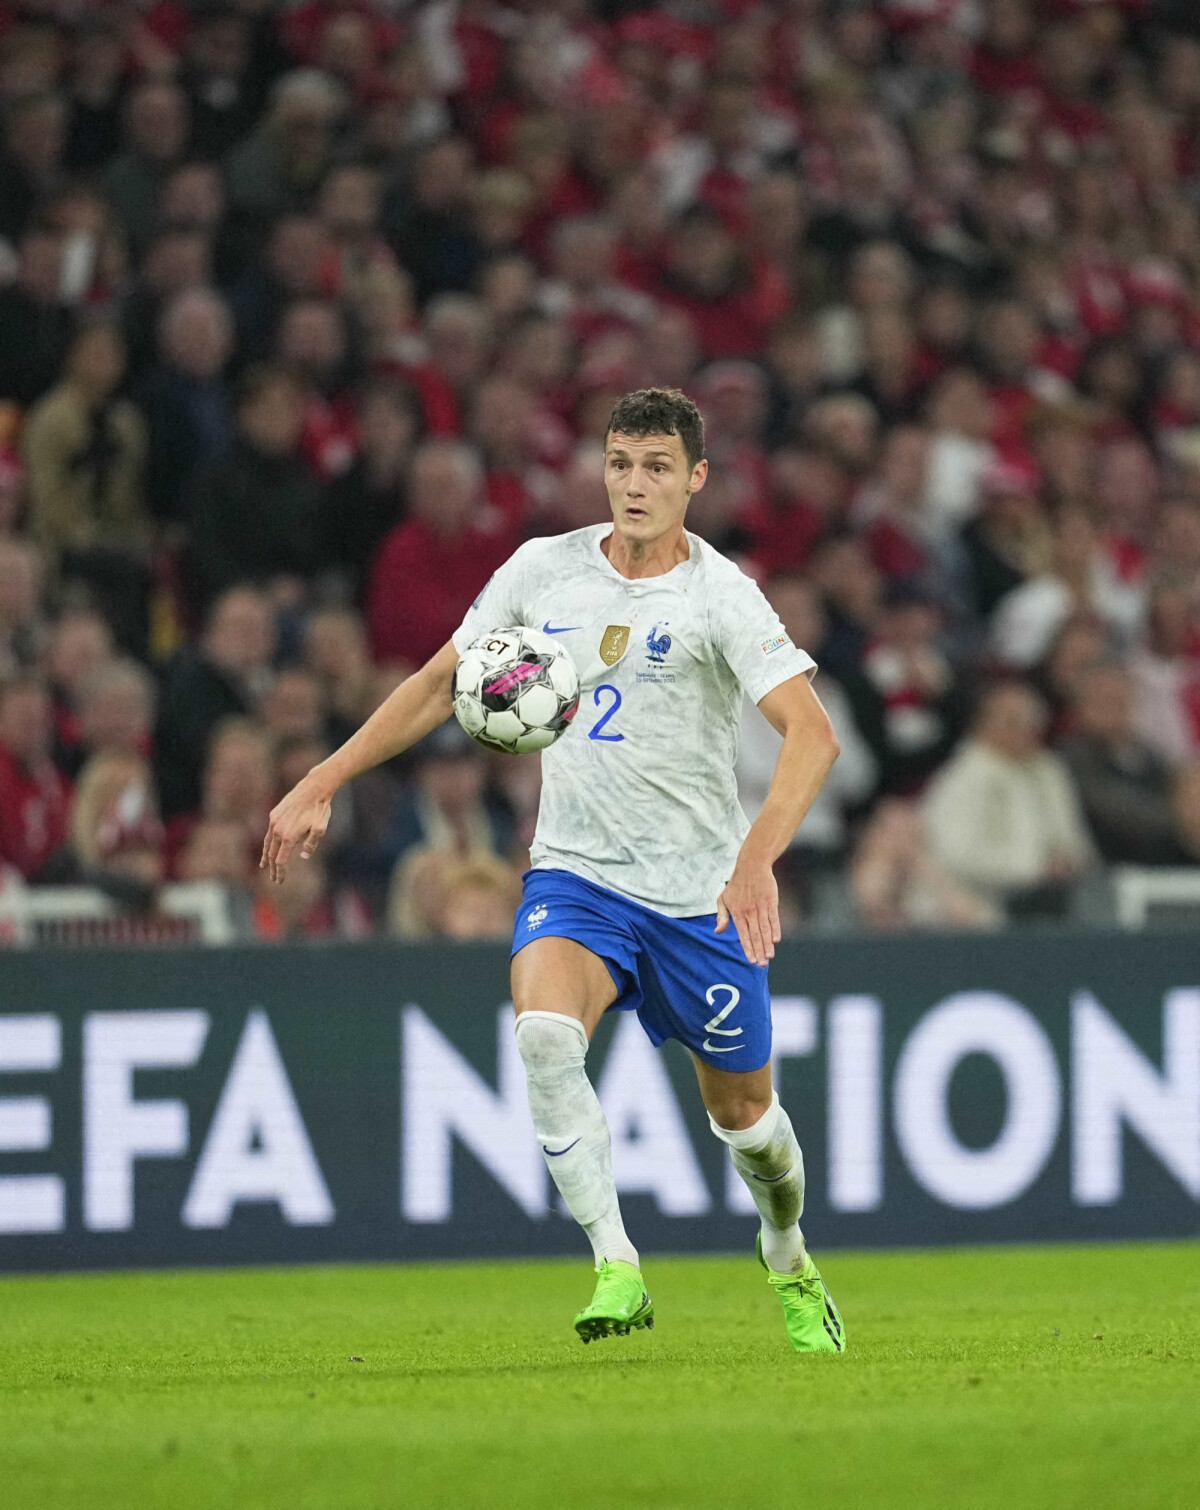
x,y
243,1105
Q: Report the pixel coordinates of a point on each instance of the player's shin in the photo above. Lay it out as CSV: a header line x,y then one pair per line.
x,y
768,1158
571,1128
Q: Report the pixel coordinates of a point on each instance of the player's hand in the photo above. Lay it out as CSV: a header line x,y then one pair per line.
x,y
299,818
751,901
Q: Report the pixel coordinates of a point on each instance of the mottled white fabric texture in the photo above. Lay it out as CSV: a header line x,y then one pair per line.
x,y
640,795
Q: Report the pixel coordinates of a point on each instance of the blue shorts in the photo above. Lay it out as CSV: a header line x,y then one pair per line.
x,y
683,980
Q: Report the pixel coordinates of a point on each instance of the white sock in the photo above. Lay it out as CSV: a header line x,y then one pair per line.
x,y
571,1128
768,1158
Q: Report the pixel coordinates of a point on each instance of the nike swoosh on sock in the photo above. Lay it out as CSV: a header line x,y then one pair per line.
x,y
775,1178
557,1153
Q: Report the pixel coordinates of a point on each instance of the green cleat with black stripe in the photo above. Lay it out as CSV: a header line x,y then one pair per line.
x,y
814,1323
619,1303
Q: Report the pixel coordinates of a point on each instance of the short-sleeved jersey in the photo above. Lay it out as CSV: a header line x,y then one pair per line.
x,y
639,795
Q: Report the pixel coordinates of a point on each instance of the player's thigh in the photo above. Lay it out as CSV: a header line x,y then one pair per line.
x,y
734,1099
558,975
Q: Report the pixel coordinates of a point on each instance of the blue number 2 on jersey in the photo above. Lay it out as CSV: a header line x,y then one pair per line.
x,y
594,731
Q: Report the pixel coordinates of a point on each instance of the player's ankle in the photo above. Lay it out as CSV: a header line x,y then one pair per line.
x,y
783,1249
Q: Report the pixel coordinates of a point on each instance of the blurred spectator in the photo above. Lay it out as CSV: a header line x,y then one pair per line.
x,y
1009,542
891,510
1165,674
1081,580
304,906
155,132
1079,645
1124,784
175,260
439,896
807,495
277,167
709,278
115,710
294,706
369,498
292,266
431,567
35,138
193,199
183,398
907,698
85,455
34,797
312,345
961,415
1175,560
583,288
852,588
254,516
822,837
223,675
35,323
218,80
447,808
458,337
21,623
96,81
336,652
237,786
349,208
898,884
215,850
116,839
478,900
1002,816
79,644
428,220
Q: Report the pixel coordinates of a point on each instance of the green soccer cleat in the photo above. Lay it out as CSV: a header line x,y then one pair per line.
x,y
620,1302
814,1323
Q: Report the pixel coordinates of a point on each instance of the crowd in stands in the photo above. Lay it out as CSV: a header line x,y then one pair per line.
x,y
311,312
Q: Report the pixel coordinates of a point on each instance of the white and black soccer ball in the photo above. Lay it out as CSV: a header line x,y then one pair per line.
x,y
516,690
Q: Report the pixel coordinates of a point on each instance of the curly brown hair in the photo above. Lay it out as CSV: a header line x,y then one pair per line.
x,y
660,411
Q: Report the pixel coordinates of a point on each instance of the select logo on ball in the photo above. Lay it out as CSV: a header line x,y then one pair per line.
x,y
515,689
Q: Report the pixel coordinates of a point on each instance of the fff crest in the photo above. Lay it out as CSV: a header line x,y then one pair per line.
x,y
657,646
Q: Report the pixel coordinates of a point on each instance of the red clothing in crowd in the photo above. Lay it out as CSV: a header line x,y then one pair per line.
x,y
329,437
783,536
738,323
33,813
423,583
896,551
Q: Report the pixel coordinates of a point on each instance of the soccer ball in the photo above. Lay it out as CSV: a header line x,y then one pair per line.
x,y
516,690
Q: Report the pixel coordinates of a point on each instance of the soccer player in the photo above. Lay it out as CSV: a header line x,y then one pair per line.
x,y
648,890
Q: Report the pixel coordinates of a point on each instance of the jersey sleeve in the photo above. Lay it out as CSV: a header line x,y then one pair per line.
x,y
753,641
497,606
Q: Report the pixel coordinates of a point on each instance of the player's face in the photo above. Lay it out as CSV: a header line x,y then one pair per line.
x,y
649,483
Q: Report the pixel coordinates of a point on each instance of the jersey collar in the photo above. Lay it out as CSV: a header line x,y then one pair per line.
x,y
681,568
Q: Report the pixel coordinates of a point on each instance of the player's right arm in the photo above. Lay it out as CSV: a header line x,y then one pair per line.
x,y
417,706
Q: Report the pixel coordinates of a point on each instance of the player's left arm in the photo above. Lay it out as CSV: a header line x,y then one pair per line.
x,y
751,897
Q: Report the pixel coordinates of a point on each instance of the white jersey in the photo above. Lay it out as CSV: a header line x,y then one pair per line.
x,y
639,794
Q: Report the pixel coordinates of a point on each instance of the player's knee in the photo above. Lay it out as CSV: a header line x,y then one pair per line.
x,y
550,1041
739,1112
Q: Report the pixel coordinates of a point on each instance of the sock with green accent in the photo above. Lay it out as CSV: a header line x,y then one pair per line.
x,y
571,1128
768,1158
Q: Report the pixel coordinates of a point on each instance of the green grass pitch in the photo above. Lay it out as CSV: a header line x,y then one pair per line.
x,y
1001,1377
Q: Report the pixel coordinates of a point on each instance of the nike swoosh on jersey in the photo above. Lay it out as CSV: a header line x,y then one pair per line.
x,y
562,629
715,1048
557,1153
